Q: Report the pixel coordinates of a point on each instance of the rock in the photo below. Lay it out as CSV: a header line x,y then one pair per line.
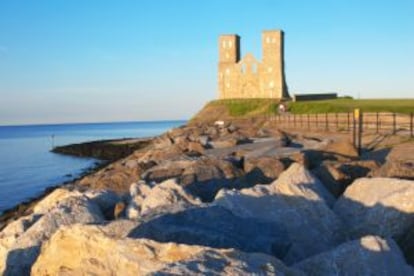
x,y
216,227
399,163
116,177
342,148
106,201
370,255
119,210
378,206
208,175
166,170
336,176
223,143
17,257
202,177
298,181
295,200
138,191
49,202
83,250
166,193
195,147
203,140
263,169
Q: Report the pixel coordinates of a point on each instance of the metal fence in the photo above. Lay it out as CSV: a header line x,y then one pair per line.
x,y
372,122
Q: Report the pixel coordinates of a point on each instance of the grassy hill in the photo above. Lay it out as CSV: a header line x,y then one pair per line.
x,y
245,108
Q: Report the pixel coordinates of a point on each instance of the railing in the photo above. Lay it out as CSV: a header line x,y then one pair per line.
x,y
379,122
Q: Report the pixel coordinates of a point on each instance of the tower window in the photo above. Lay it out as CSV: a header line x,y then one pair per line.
x,y
230,44
267,39
254,68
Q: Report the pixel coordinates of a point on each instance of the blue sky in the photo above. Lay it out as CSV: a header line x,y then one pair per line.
x,y
97,61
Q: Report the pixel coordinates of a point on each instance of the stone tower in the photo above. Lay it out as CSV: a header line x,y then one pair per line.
x,y
248,77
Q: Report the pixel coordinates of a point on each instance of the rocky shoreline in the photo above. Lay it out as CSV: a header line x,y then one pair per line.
x,y
238,198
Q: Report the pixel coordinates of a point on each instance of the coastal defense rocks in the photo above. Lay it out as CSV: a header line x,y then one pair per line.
x,y
370,255
145,199
167,193
399,163
216,227
18,251
336,176
295,203
87,250
263,169
379,206
202,177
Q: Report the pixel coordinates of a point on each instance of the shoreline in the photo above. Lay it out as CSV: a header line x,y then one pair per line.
x,y
93,149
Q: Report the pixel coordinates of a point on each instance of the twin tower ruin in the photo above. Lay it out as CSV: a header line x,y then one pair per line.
x,y
248,77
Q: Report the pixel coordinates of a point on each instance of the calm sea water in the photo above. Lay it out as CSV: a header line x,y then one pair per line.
x,y
27,166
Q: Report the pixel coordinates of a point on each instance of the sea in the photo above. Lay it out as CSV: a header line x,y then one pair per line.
x,y
28,167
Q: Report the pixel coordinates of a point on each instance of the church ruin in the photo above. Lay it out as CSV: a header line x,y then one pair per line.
x,y
248,77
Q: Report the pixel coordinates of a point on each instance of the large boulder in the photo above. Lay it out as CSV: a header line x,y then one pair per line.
x,y
203,177
146,199
263,169
216,227
84,250
398,163
379,206
20,249
369,255
337,176
296,201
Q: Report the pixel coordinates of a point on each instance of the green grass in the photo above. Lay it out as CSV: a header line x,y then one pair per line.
x,y
347,105
248,107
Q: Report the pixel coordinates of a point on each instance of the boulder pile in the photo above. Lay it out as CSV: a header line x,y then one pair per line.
x,y
224,199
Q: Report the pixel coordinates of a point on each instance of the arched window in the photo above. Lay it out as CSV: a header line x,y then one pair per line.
x,y
254,68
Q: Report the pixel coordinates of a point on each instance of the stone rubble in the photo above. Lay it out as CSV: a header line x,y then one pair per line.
x,y
232,199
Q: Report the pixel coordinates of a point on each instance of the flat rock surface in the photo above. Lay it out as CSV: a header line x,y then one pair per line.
x,y
87,250
216,227
369,255
378,206
293,202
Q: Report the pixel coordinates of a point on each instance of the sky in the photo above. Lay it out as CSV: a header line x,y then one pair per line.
x,y
131,60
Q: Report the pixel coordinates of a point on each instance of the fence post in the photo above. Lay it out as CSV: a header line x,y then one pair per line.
x,y
294,120
361,123
308,121
326,121
377,122
337,123
316,116
347,122
411,125
394,123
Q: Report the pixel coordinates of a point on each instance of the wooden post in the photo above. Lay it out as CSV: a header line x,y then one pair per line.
x,y
377,122
326,121
347,121
316,116
337,123
394,123
294,120
360,133
411,124
308,121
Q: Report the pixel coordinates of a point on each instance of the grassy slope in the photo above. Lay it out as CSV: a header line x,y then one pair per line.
x,y
242,108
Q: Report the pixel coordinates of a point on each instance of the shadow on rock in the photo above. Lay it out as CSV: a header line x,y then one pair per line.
x,y
216,227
